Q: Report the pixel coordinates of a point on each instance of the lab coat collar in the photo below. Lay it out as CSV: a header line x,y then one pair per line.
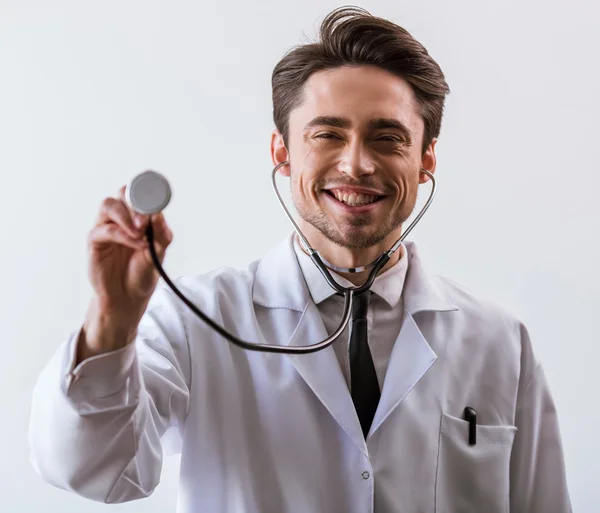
x,y
388,285
279,282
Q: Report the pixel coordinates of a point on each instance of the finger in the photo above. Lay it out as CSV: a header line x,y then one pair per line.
x,y
115,211
162,233
112,233
140,220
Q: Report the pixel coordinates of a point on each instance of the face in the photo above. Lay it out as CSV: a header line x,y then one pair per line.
x,y
354,148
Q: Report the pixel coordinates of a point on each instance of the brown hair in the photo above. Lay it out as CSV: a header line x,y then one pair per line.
x,y
352,36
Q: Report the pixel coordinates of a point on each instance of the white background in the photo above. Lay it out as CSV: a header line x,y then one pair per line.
x,y
91,93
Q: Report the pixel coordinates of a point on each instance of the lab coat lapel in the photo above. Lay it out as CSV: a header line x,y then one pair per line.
x,y
321,371
411,358
279,283
412,355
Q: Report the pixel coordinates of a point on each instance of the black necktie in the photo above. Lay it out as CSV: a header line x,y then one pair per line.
x,y
363,379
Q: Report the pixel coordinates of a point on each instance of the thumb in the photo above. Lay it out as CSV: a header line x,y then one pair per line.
x,y
162,234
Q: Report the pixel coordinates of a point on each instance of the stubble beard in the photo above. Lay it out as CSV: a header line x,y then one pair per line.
x,y
359,232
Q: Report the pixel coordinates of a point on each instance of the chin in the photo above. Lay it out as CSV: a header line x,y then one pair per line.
x,y
357,238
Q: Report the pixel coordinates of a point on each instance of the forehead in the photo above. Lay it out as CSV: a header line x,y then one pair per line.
x,y
360,93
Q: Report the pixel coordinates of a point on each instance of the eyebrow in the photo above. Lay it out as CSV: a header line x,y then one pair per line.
x,y
374,124
328,121
380,123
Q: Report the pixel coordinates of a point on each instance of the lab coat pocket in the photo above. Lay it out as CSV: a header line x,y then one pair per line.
x,y
473,478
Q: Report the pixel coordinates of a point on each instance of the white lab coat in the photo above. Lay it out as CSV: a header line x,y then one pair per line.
x,y
265,432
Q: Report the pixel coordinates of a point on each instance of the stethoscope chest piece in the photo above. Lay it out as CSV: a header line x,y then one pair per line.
x,y
148,193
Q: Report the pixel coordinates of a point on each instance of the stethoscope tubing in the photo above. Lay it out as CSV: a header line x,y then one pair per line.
x,y
347,292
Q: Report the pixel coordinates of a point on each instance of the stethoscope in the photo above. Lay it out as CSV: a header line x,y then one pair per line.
x,y
149,193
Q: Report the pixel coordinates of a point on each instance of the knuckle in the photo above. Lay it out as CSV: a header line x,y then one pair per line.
x,y
108,202
94,235
112,229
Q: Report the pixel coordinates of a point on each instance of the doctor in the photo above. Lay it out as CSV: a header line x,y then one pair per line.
x,y
432,401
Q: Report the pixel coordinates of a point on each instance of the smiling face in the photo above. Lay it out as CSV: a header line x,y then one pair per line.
x,y
354,148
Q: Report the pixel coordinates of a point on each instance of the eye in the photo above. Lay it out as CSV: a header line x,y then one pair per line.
x,y
327,135
389,138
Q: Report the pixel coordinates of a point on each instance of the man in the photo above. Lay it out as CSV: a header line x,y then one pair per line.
x,y
446,408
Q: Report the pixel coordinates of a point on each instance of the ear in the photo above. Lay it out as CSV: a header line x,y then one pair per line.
x,y
428,162
279,152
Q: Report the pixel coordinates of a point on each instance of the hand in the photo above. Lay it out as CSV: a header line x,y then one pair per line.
x,y
121,272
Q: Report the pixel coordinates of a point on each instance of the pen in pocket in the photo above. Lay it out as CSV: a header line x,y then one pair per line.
x,y
471,418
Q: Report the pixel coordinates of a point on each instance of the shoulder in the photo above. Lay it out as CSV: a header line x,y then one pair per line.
x,y
478,306
491,321
224,282
218,287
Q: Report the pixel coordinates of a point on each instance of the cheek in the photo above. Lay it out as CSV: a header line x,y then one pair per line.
x,y
302,184
407,183
307,173
319,155
411,190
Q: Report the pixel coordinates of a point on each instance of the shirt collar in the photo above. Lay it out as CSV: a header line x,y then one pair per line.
x,y
388,285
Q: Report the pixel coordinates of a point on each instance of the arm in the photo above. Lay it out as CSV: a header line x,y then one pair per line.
x,y
538,477
96,426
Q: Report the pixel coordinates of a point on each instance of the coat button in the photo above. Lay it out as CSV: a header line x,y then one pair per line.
x,y
366,475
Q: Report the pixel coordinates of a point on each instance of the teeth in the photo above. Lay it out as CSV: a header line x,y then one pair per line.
x,y
353,199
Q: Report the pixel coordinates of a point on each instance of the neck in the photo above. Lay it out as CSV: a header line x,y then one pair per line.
x,y
350,258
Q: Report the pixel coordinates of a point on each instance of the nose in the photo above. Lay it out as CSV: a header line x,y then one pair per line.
x,y
356,160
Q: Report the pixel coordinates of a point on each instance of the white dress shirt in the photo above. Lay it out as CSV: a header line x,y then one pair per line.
x,y
384,317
